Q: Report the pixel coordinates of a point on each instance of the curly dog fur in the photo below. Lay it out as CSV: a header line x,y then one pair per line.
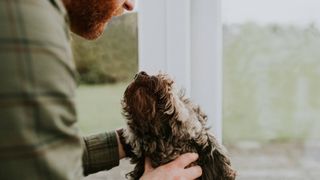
x,y
163,124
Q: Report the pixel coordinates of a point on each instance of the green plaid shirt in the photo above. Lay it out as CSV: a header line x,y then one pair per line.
x,y
39,136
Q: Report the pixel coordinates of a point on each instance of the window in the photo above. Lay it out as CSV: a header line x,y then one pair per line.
x,y
271,88
270,73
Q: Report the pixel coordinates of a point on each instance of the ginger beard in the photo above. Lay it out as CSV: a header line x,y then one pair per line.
x,y
88,18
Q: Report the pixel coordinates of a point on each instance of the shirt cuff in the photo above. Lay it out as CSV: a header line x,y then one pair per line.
x,y
100,152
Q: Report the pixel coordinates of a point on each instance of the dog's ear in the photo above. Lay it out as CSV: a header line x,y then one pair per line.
x,y
144,105
215,163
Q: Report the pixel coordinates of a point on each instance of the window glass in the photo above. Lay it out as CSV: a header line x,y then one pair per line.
x,y
272,88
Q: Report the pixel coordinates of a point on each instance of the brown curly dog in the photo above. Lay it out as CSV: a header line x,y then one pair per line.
x,y
162,124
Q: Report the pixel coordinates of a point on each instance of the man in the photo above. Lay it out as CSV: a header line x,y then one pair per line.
x,y
39,137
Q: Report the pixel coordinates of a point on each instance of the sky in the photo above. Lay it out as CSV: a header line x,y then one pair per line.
x,y
297,12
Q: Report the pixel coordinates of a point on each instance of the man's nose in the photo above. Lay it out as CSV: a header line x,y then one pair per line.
x,y
129,5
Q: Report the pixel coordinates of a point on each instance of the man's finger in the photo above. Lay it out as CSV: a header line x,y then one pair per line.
x,y
193,172
185,159
147,165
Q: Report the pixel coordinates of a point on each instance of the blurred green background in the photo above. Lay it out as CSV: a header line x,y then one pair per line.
x,y
105,67
113,57
271,80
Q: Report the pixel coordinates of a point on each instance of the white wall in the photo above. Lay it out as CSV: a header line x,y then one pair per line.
x,y
183,39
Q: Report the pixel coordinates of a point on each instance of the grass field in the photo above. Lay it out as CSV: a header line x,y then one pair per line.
x,y
99,107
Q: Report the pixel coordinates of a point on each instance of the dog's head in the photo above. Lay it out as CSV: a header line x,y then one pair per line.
x,y
161,121
155,108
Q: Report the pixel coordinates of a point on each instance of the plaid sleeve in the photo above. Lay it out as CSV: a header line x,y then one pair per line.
x,y
39,137
101,152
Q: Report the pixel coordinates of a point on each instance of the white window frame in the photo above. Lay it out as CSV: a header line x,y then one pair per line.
x,y
184,39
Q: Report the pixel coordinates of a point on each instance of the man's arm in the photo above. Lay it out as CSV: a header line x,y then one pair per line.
x,y
101,152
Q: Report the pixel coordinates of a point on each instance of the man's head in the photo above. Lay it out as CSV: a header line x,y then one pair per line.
x,y
88,18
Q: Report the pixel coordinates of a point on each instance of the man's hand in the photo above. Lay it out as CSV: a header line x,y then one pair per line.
x,y
174,170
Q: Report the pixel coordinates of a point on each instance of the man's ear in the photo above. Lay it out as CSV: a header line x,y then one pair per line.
x,y
66,2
